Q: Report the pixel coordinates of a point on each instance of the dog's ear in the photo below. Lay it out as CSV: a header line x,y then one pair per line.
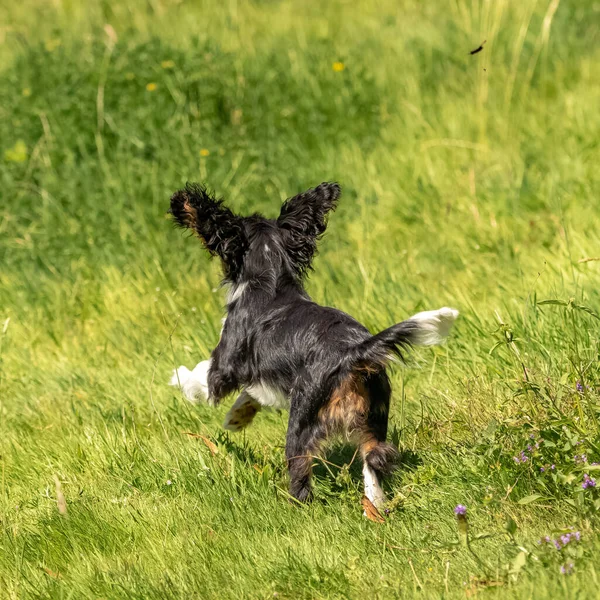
x,y
304,218
221,232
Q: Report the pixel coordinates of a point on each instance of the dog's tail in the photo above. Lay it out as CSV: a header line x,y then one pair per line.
x,y
423,329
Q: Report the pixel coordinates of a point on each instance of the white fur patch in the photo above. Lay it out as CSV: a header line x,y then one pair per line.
x,y
373,490
236,291
193,384
434,326
242,413
269,396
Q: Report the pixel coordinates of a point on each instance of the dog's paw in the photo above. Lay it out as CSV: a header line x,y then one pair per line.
x,y
242,413
179,376
193,384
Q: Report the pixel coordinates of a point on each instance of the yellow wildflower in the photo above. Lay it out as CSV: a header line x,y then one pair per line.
x,y
151,87
204,152
52,44
26,92
18,153
167,64
338,66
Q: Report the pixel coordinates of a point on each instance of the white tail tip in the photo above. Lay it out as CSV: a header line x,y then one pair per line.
x,y
434,325
193,384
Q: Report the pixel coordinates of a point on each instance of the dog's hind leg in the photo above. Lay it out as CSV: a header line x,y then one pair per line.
x,y
379,457
242,413
359,408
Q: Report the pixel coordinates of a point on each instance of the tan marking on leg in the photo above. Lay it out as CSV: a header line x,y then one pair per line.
x,y
366,442
347,408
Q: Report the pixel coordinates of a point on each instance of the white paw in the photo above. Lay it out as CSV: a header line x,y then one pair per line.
x,y
179,376
193,384
373,489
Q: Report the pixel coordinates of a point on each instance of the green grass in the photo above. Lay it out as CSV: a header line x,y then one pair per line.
x,y
469,181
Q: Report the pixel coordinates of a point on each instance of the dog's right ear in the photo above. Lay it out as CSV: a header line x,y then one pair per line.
x,y
304,219
221,232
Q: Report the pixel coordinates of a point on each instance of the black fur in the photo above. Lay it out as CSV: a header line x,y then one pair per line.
x,y
303,220
383,458
277,336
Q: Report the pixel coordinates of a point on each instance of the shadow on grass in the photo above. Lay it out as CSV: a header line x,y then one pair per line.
x,y
341,467
242,451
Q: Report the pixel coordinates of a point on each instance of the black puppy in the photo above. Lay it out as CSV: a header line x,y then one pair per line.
x,y
283,350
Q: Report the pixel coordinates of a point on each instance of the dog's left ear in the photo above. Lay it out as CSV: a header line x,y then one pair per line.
x,y
221,232
304,218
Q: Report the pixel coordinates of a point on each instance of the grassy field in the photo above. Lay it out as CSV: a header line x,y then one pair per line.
x,y
468,180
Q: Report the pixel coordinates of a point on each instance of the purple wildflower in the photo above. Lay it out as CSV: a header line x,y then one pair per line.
x,y
567,569
522,458
588,482
542,469
577,535
553,467
556,544
565,539
579,386
544,540
460,509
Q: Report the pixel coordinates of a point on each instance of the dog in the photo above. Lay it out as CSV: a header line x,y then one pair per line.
x,y
284,351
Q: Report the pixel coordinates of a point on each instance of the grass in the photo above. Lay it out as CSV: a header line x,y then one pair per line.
x,y
469,181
